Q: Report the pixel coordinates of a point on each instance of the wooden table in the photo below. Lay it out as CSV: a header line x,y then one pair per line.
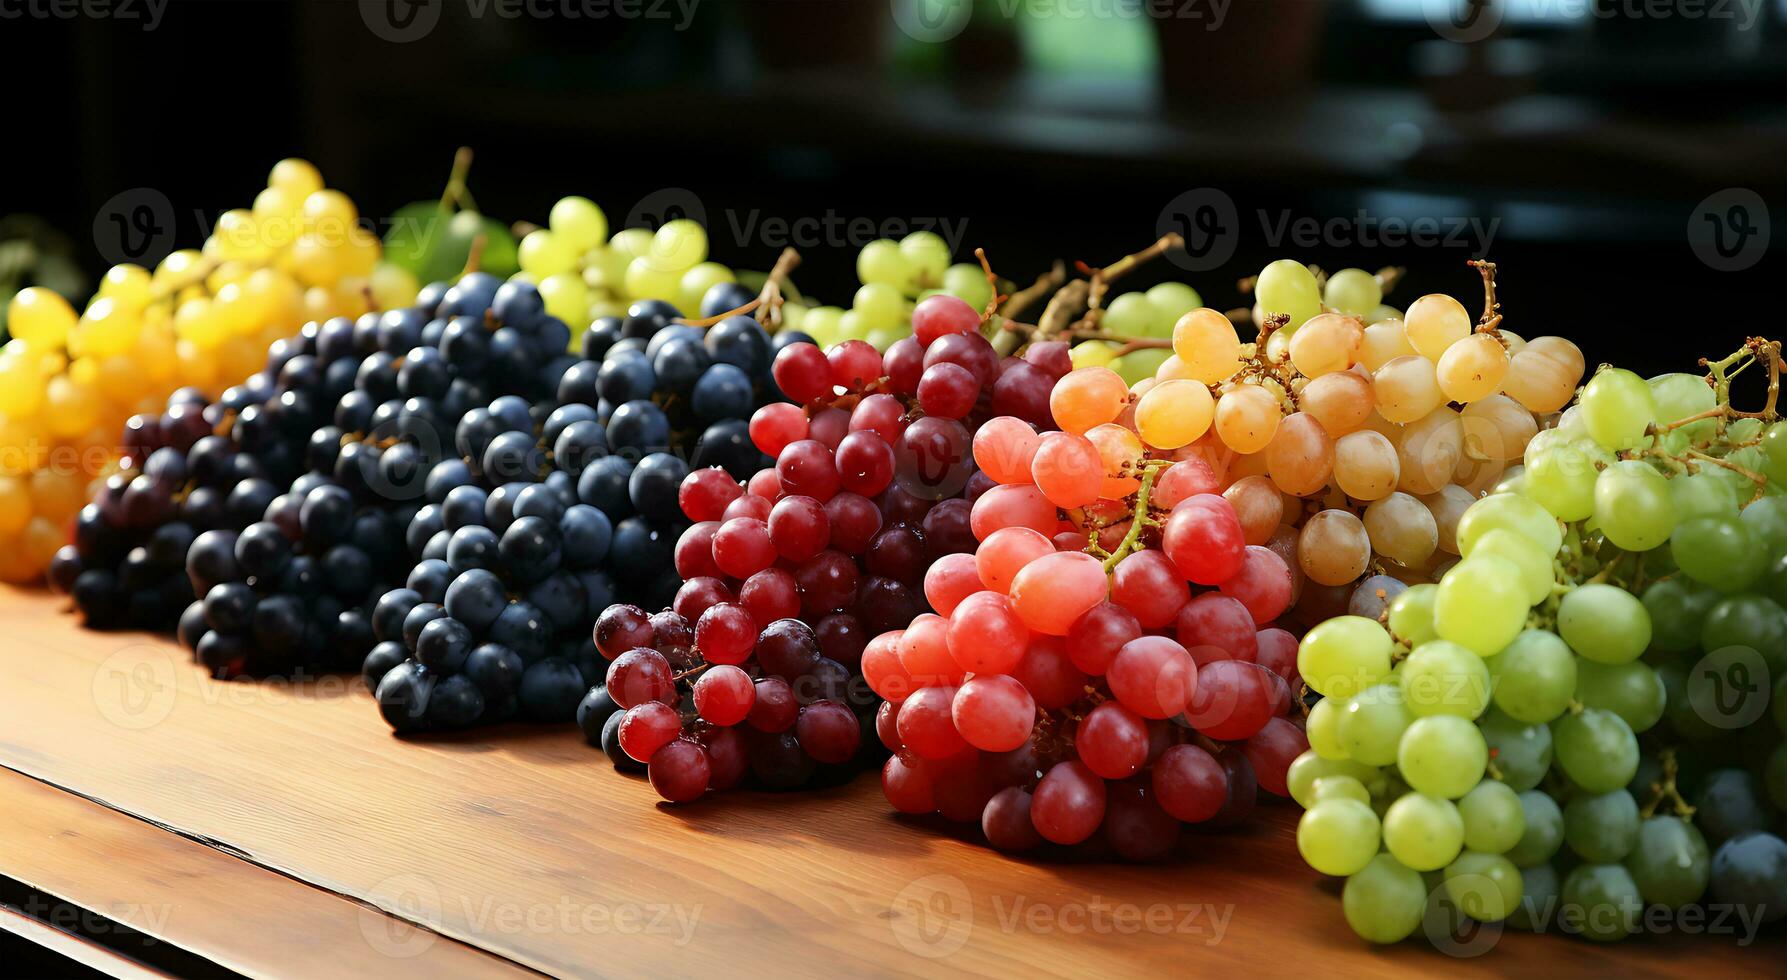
x,y
280,830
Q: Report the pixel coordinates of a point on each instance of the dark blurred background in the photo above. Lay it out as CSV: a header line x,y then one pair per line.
x,y
1617,157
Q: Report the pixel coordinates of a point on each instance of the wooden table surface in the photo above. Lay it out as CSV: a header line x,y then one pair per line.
x,y
281,830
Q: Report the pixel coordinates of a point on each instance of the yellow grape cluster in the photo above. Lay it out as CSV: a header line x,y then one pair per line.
x,y
584,273
1352,439
895,276
201,318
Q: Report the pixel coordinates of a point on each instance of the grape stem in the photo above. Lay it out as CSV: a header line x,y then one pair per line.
x,y
474,256
769,301
1133,537
1666,790
992,284
455,193
708,321
1388,277
1103,277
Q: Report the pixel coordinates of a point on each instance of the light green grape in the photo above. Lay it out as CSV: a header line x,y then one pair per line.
x,y
1354,292
1596,749
1634,506
879,305
1539,887
1345,787
1411,614
1442,678
1670,863
1381,313
1702,495
1523,752
1616,407
927,256
1604,623
1601,828
1561,477
1323,728
1485,887
1423,832
1536,572
823,324
565,296
1493,818
1287,286
886,337
1442,755
1631,690
1535,677
1678,396
1719,551
698,280
1542,833
1767,519
1481,604
1385,901
1338,836
630,243
1308,767
1138,364
1514,512
1774,453
1133,315
1093,353
1372,723
1677,610
882,262
579,222
1174,300
678,245
1343,656
969,284
542,253
1600,902
852,325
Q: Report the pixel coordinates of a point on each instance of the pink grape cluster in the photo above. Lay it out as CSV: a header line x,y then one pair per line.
x,y
1096,664
787,575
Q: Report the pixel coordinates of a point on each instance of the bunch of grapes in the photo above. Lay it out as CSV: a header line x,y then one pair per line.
x,y
756,667
202,319
1574,723
1148,315
895,276
584,274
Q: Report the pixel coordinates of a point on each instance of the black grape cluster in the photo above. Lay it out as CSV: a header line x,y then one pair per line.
x,y
554,510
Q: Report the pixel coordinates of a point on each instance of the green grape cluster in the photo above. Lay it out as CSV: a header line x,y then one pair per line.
x,y
1583,717
895,276
1148,315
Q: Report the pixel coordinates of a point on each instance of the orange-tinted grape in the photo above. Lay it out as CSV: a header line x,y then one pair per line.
x,y
1326,343
1406,389
1247,417
1471,369
1067,469
1301,456
1434,323
1340,401
1382,341
1120,455
1366,466
1429,450
1258,505
1087,397
1207,346
1497,427
1174,413
1333,548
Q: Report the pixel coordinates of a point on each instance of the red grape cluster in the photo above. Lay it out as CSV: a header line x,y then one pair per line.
x,y
1093,665
756,667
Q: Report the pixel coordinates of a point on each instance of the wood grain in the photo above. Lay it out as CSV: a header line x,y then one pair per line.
x,y
525,842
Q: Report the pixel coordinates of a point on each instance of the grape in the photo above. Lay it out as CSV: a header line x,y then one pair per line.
x,y
1326,343
1486,887
1402,529
1174,414
1333,548
1424,833
1205,342
1068,804
1616,407
1341,401
1536,572
1600,902
1634,506
1343,656
1534,677
1287,286
1410,615
1596,749
1632,690
1543,831
1719,551
1434,323
1086,398
1481,604
1338,836
1604,623
1247,418
1384,901
1442,755
1472,368
1746,873
1112,741
1153,676
1601,829
1366,465
1309,769
1494,819
1440,677
1323,727
1372,724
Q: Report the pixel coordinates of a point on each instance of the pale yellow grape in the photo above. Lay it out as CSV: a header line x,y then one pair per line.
x,y
1174,300
1514,342
1402,529
1327,342
1423,832
852,325
1471,369
1339,787
578,222
1536,572
393,286
1497,427
1287,286
886,337
40,315
879,305
1323,729
1172,414
1247,418
1448,505
1442,678
127,285
927,256
543,253
1340,401
1442,756
1429,450
1481,604
1344,655
314,261
1354,292
1366,466
881,261
678,245
1278,346
329,214
1543,375
105,329
180,269
1333,547
700,278
1515,512
1258,505
1300,457
237,238
1132,315
1435,322
296,177
276,216
824,324
648,279
630,243
1205,340
1338,836
1382,313
969,284
359,253
565,296
1406,388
